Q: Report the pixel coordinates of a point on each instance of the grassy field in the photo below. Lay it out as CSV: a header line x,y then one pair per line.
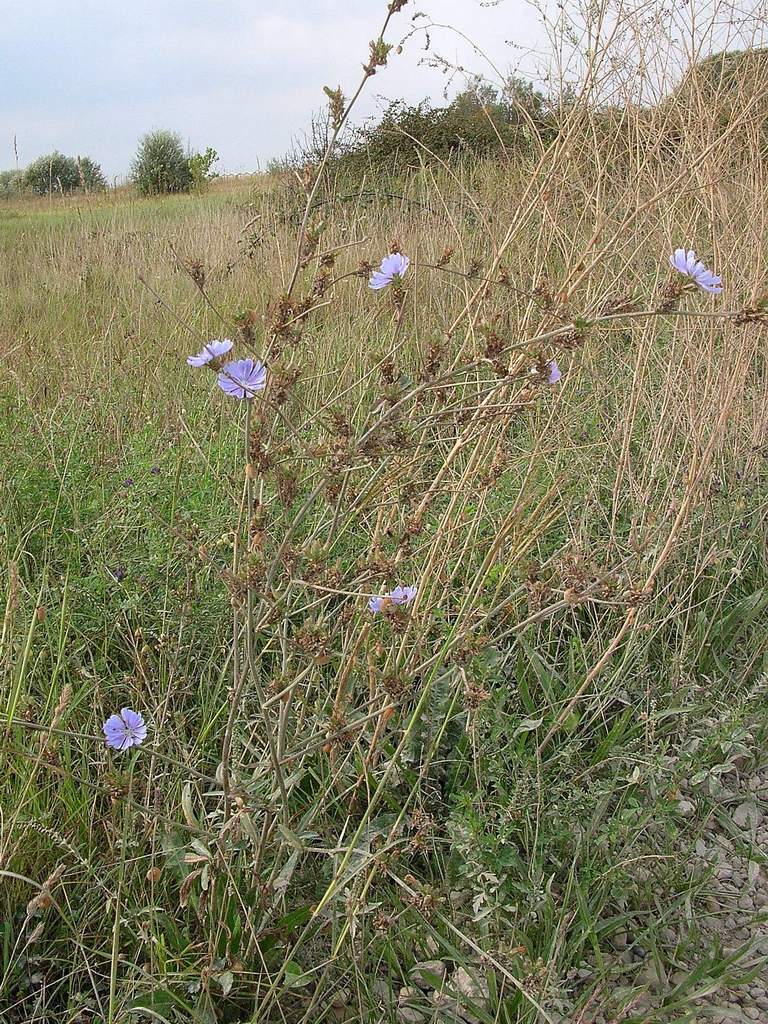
x,y
504,778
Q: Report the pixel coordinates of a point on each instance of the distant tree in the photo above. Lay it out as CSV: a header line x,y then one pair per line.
x,y
201,169
52,173
11,184
161,165
90,174
63,174
521,98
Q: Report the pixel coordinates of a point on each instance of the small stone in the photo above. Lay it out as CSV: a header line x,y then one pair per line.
x,y
474,988
383,990
653,976
685,808
620,940
746,815
408,1015
428,974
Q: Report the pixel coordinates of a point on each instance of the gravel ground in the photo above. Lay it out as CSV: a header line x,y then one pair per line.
x,y
735,843
732,914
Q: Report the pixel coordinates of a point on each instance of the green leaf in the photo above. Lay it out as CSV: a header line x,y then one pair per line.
x,y
295,976
527,725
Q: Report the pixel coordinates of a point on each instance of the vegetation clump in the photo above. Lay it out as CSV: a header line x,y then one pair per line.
x,y
161,166
58,174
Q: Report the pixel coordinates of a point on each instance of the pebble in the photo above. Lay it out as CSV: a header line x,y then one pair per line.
x,y
408,1015
473,988
746,815
428,974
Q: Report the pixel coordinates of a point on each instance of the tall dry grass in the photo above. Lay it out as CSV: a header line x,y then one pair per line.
x,y
327,796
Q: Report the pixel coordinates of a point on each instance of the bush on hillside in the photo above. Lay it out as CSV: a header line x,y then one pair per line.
x,y
11,184
90,174
56,173
161,166
479,120
201,169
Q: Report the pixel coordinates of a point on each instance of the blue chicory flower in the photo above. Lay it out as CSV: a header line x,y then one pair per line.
x,y
125,730
687,264
243,378
555,372
392,267
212,350
400,595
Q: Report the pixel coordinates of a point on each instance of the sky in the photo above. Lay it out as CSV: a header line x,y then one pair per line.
x,y
243,76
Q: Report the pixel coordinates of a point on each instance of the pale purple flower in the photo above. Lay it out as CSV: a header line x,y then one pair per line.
x,y
392,266
687,264
125,730
243,378
554,372
211,350
400,595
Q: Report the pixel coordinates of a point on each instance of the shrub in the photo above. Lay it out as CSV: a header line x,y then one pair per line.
x,y
200,168
52,173
161,165
91,177
63,174
478,120
11,184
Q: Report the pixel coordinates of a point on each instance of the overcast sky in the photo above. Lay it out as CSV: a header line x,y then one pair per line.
x,y
243,76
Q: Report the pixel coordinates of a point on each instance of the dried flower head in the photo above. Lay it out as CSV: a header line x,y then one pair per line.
x,y
242,378
688,264
212,350
125,730
391,271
